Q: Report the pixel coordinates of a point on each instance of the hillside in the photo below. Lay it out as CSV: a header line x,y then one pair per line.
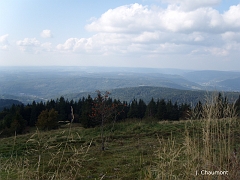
x,y
41,84
8,103
146,93
134,150
216,80
44,83
232,84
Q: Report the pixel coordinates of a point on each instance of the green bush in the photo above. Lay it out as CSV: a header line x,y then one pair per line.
x,y
48,120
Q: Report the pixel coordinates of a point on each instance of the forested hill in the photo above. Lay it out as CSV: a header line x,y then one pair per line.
x,y
8,103
146,93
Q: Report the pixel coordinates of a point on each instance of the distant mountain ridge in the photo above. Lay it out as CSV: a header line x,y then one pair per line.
x,y
7,103
231,84
146,93
42,83
215,80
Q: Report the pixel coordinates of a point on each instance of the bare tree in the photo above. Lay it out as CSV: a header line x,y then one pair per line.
x,y
102,110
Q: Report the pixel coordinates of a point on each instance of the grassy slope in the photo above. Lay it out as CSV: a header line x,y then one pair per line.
x,y
131,150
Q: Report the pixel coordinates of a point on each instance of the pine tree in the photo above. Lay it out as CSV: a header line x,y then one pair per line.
x,y
86,119
141,108
175,112
169,108
161,110
18,124
133,111
33,116
62,109
184,111
151,110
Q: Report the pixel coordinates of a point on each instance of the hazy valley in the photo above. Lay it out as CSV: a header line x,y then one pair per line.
x,y
44,83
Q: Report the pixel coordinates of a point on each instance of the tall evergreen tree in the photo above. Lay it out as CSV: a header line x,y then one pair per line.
x,y
184,111
18,124
33,116
27,114
133,111
174,114
162,110
86,113
61,108
151,110
141,108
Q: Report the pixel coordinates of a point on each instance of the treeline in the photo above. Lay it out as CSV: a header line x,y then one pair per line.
x,y
216,107
47,115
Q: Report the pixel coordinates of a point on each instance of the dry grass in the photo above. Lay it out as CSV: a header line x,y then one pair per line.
x,y
42,159
133,152
213,149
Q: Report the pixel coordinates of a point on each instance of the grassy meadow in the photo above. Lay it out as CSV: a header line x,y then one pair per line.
x,y
148,149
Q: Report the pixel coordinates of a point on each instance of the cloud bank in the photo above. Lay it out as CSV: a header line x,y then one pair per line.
x,y
183,27
181,30
32,45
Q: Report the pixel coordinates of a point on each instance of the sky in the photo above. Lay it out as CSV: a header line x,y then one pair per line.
x,y
182,34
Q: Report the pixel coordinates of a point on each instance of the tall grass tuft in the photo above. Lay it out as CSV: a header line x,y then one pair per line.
x,y
46,156
207,149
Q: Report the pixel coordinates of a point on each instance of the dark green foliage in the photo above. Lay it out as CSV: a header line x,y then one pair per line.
x,y
33,115
62,108
83,111
174,113
7,103
151,110
18,124
184,111
133,110
7,120
86,113
48,120
141,108
12,123
161,110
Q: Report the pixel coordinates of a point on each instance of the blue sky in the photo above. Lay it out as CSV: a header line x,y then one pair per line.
x,y
184,34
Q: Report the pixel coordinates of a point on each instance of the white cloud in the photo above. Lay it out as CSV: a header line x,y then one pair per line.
x,y
32,45
136,18
28,42
129,18
232,17
4,45
72,44
192,4
137,29
46,33
28,45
